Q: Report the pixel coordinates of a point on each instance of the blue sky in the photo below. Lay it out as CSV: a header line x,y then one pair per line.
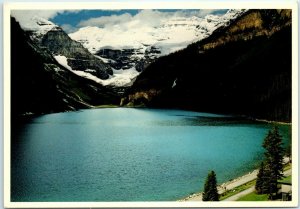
x,y
74,18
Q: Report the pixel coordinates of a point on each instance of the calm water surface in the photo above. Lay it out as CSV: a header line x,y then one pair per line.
x,y
122,154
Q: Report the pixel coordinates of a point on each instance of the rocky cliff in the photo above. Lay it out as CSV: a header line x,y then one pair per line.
x,y
243,68
51,37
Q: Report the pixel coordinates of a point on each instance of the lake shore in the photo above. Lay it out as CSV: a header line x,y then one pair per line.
x,y
225,186
229,184
273,122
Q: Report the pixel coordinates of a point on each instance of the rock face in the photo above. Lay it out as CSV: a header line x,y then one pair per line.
x,y
53,38
124,59
39,84
257,23
243,68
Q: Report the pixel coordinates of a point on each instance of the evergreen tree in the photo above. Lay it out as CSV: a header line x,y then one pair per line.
x,y
210,188
262,181
273,169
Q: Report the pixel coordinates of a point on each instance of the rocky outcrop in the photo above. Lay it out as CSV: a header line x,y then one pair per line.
x,y
140,98
243,68
129,58
78,57
251,24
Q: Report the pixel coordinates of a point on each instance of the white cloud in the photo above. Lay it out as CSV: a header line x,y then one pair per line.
x,y
105,21
204,12
142,18
68,28
26,17
151,17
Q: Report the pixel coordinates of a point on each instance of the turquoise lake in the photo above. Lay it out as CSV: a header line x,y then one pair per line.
x,y
128,154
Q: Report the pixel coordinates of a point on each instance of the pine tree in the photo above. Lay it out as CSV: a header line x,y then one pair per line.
x,y
273,169
262,181
210,188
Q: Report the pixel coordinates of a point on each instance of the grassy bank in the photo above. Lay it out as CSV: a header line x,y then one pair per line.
x,y
237,190
253,196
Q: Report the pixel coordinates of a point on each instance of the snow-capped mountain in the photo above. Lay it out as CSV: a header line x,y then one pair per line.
x,y
137,47
42,86
39,27
115,56
51,37
73,56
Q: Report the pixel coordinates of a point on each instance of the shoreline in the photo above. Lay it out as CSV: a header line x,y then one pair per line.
x,y
273,122
228,185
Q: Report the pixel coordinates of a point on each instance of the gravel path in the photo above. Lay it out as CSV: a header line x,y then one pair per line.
x,y
241,194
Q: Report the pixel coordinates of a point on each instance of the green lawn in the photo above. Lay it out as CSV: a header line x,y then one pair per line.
x,y
254,197
262,197
287,166
287,179
236,190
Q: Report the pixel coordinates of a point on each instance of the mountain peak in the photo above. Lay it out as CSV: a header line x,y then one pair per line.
x,y
124,47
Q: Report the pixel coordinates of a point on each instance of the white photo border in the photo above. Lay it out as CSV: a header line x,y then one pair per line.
x,y
285,4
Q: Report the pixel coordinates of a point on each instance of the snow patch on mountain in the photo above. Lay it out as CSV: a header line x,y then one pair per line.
x,y
120,78
63,61
174,83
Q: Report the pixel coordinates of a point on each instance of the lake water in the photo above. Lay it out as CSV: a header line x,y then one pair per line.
x,y
127,154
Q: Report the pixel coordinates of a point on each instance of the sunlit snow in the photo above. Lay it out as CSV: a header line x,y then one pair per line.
x,y
170,35
119,77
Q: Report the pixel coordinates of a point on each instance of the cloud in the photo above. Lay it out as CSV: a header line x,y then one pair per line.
x,y
105,21
142,18
68,28
152,17
26,17
204,12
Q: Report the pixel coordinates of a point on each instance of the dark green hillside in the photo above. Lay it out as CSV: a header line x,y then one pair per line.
x,y
40,85
244,68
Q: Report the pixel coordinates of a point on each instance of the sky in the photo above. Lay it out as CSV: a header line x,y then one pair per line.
x,y
72,20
